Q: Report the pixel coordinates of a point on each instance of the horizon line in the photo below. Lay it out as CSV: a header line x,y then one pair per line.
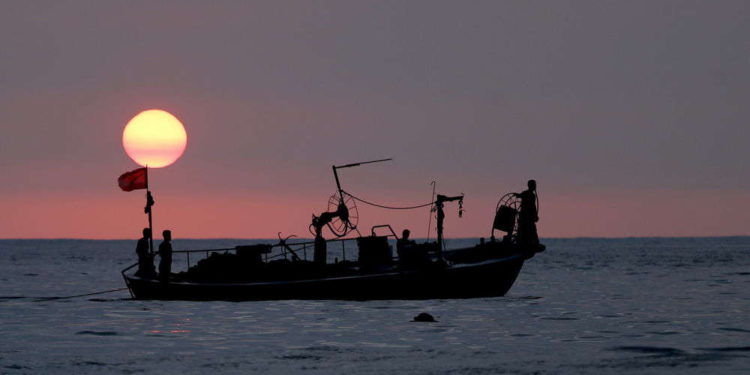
x,y
352,238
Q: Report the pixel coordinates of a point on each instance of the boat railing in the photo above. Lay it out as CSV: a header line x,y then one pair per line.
x,y
393,234
341,250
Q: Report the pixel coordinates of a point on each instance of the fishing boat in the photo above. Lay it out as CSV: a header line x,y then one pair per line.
x,y
362,267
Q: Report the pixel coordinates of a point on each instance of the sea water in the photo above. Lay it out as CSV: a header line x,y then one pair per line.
x,y
590,306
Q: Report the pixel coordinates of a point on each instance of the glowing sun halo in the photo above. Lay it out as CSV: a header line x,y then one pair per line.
x,y
154,138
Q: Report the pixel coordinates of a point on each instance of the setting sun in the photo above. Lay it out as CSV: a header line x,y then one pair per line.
x,y
154,138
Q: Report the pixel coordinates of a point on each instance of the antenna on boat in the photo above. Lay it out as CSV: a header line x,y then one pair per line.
x,y
336,175
432,209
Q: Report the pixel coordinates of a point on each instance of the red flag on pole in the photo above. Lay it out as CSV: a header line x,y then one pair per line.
x,y
133,180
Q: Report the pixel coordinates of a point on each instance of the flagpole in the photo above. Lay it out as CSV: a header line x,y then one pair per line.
x,y
150,225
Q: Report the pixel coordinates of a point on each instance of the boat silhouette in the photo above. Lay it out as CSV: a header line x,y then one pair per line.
x,y
284,270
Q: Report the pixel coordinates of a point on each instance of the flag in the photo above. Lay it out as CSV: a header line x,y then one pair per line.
x,y
135,179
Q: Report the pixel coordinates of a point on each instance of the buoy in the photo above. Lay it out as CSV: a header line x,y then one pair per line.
x,y
424,317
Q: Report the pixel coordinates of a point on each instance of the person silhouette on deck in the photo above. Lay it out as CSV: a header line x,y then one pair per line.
x,y
409,253
145,258
165,255
527,218
404,242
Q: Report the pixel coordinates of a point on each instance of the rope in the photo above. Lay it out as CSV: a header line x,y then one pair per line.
x,y
388,207
78,295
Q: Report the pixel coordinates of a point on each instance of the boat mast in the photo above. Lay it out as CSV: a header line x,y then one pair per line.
x,y
149,203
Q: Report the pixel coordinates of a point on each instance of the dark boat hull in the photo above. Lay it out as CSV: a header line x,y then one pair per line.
x,y
488,278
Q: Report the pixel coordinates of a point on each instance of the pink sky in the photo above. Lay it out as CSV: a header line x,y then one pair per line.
x,y
632,116
251,214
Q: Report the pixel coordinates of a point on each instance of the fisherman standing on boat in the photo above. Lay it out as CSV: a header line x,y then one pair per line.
x,y
165,253
410,254
404,242
527,218
145,259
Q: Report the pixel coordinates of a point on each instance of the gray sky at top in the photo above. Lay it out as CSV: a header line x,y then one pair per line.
x,y
581,94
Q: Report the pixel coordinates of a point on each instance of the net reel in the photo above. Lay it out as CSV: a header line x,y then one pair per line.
x,y
506,216
348,215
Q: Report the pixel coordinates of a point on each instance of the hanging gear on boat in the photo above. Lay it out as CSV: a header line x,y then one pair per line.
x,y
436,205
506,217
338,221
483,270
149,202
285,248
348,214
341,217
319,222
441,216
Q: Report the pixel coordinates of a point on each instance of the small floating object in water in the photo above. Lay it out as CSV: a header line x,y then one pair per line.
x,y
424,317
